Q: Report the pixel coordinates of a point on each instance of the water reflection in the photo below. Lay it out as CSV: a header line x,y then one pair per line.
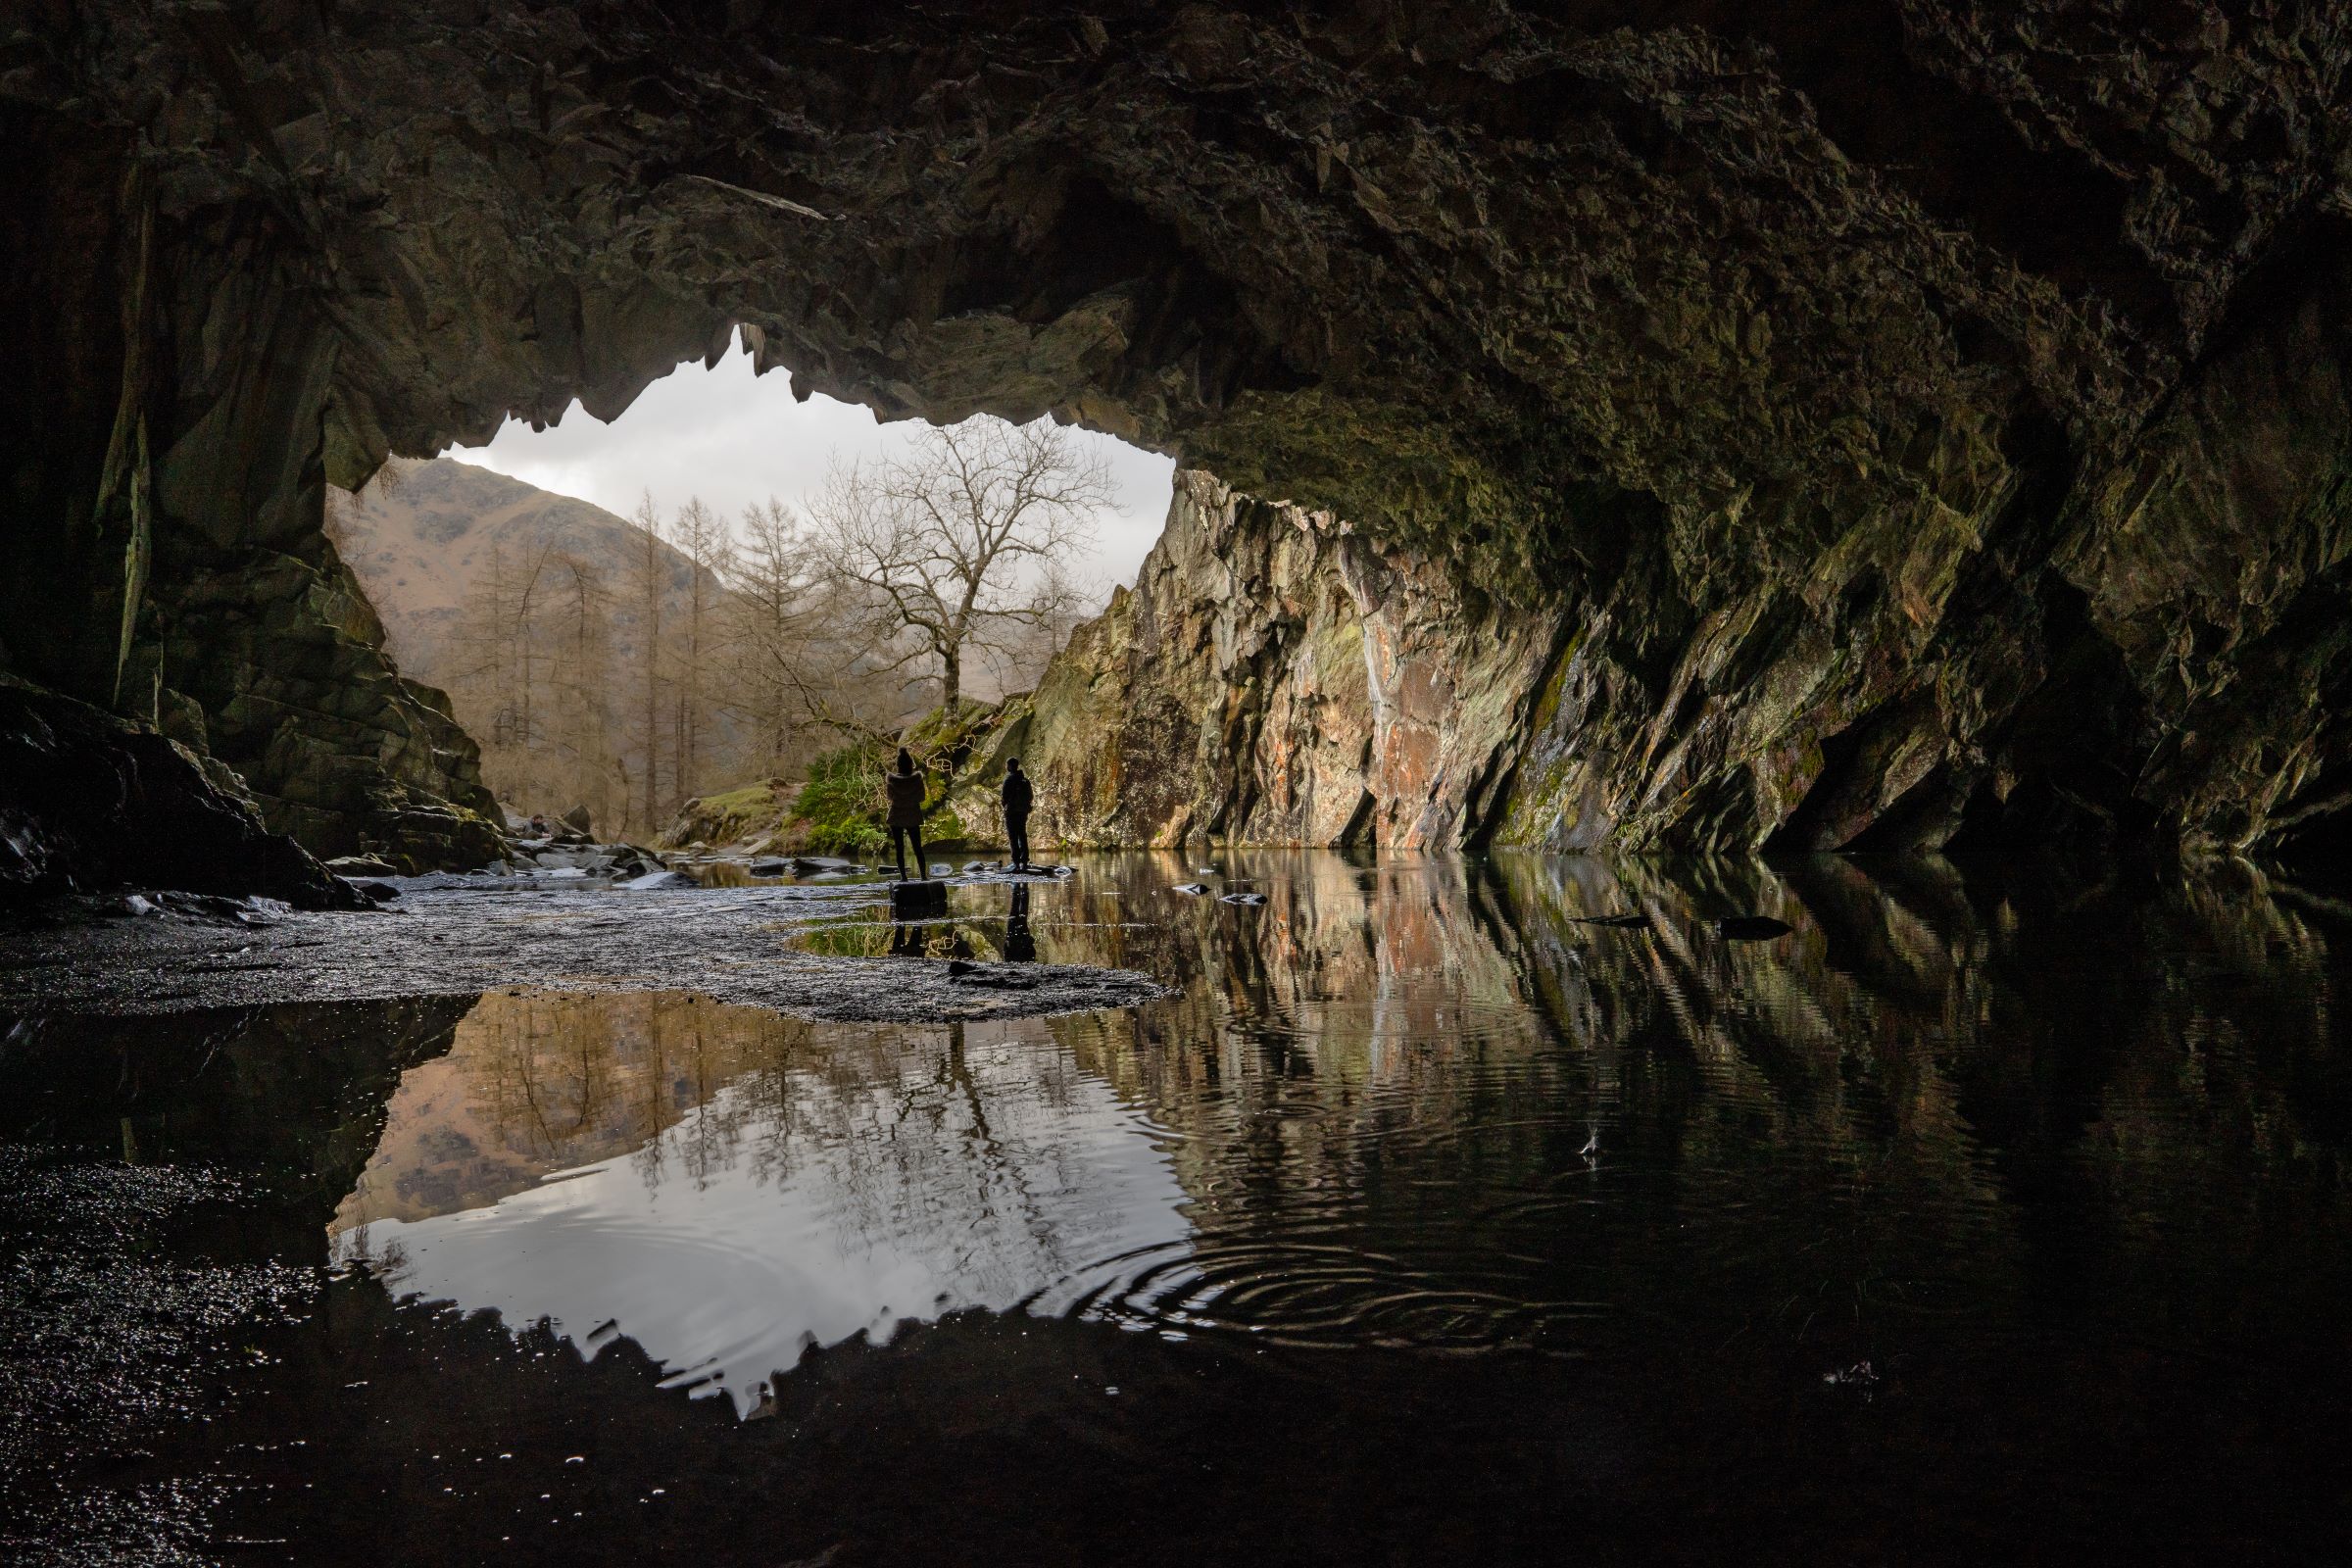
x,y
727,1187
1020,944
1945,1133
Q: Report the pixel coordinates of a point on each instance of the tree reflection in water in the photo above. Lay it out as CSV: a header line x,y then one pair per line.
x,y
1944,1124
728,1185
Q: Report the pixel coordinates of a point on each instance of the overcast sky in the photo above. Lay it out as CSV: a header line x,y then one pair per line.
x,y
735,439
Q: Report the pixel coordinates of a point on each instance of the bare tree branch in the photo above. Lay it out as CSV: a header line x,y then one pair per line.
x,y
966,537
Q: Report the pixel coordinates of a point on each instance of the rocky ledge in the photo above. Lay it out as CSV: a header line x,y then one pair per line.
x,y
88,800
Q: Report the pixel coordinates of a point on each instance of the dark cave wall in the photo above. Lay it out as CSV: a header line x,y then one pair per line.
x,y
162,444
1861,423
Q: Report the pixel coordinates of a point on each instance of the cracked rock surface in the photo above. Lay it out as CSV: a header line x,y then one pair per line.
x,y
1881,422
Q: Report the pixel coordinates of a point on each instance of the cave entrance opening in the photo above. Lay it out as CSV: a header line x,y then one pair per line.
x,y
631,615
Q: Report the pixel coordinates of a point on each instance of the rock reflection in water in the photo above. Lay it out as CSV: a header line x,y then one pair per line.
x,y
727,1187
1986,1215
1413,1104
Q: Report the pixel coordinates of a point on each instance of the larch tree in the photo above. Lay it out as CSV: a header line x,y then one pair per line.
x,y
700,534
777,614
583,605
650,584
961,542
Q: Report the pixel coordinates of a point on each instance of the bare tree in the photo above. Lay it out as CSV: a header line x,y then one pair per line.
x,y
649,585
701,535
959,542
584,673
800,638
778,621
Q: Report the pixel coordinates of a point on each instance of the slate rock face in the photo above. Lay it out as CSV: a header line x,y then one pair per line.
x,y
278,665
88,802
1879,421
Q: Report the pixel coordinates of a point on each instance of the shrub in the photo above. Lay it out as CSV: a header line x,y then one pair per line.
x,y
843,803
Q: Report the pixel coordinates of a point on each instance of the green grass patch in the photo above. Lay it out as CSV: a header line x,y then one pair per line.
x,y
840,810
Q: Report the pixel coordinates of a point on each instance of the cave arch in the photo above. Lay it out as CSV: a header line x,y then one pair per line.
x,y
1647,347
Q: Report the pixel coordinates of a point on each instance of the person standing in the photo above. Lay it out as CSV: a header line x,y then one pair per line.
x,y
1017,796
903,790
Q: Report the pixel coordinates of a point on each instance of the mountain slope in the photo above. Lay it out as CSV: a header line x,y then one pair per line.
x,y
552,682
421,546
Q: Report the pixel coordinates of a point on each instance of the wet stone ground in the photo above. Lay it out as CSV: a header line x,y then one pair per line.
x,y
448,935
1516,1211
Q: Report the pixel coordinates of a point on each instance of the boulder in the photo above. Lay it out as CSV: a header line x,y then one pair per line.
x,y
88,802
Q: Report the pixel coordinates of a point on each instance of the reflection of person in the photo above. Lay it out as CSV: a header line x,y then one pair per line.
x,y
905,942
1019,945
1017,796
905,790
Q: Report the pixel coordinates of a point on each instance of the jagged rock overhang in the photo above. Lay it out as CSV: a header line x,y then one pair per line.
x,y
1765,354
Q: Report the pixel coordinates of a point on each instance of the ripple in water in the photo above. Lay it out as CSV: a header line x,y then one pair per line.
x,y
1419,1108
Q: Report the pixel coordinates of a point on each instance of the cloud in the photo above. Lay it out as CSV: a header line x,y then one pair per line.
x,y
736,439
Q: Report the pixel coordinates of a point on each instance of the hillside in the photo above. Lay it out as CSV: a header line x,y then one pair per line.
x,y
420,549
553,683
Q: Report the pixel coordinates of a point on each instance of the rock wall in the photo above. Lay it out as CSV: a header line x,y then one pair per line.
x,y
1878,420
2030,647
1274,677
88,802
274,663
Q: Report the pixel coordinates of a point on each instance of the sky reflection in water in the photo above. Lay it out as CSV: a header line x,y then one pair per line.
x,y
1937,1130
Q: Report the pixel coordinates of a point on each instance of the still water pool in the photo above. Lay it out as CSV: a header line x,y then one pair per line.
x,y
1987,1215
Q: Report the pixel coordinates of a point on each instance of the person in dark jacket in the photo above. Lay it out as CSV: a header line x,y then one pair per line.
x,y
1017,796
904,789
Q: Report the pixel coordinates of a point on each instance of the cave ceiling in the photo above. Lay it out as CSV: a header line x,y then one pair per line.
x,y
1847,410
1420,263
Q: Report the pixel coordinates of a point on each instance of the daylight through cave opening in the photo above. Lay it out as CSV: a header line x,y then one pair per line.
x,y
709,593
1609,446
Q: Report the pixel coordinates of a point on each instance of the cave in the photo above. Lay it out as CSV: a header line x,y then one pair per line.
x,y
1721,433
1676,470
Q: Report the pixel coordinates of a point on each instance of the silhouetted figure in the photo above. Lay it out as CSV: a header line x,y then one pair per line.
x,y
905,790
1019,945
1017,797
906,939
